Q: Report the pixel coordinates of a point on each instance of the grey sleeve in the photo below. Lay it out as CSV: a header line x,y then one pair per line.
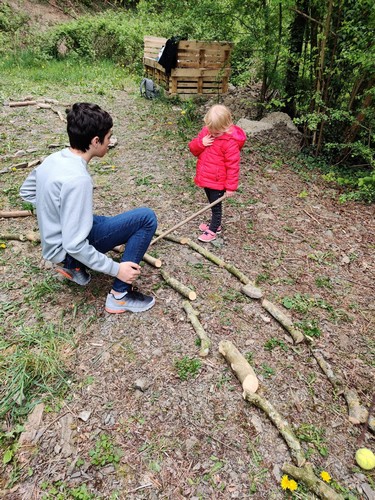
x,y
76,222
28,189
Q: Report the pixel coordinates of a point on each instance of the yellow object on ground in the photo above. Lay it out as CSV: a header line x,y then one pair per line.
x,y
365,458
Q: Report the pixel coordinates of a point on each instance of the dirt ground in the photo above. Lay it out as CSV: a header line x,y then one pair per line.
x,y
198,438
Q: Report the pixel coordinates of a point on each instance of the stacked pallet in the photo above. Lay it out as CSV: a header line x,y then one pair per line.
x,y
202,67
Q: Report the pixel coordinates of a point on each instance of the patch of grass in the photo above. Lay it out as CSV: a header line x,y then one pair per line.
x,y
267,370
309,328
61,491
323,282
32,368
299,302
309,433
187,367
105,451
324,258
249,356
272,343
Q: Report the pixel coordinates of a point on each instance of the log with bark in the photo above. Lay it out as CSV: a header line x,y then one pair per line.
x,y
17,104
281,424
306,475
15,213
152,260
284,320
34,237
357,413
247,377
242,368
178,286
192,315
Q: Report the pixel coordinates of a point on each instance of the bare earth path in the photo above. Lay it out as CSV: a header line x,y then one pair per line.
x,y
197,438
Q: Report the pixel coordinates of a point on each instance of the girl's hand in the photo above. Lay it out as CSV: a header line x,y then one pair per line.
x,y
230,194
208,140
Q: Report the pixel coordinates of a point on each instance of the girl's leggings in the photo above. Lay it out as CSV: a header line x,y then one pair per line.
x,y
217,210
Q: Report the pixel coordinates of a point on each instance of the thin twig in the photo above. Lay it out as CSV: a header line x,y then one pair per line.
x,y
312,217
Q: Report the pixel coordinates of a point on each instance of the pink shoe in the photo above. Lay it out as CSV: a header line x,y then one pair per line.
x,y
203,227
207,236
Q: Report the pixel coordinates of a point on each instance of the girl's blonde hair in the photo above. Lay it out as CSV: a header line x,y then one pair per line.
x,y
218,119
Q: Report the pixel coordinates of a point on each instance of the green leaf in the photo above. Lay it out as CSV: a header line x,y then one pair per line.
x,y
8,455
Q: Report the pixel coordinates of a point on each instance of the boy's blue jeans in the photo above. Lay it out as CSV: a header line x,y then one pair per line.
x,y
135,228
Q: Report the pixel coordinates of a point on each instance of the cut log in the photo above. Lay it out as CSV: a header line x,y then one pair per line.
x,y
178,286
199,330
16,104
59,114
281,424
357,413
15,213
313,483
239,365
34,237
43,105
152,260
252,291
175,239
284,320
327,370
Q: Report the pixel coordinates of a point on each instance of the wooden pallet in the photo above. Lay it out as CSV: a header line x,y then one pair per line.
x,y
202,68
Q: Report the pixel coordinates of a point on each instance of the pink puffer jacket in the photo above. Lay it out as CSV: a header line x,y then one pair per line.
x,y
218,165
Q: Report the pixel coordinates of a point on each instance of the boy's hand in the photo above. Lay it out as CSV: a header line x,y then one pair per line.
x,y
229,194
208,140
129,271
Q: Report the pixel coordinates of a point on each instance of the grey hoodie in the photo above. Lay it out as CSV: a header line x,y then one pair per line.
x,y
61,189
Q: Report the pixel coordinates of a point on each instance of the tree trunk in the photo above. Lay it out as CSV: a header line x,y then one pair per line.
x,y
297,34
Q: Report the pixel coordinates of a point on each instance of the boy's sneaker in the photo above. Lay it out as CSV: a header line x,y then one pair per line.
x,y
203,227
132,301
78,275
207,236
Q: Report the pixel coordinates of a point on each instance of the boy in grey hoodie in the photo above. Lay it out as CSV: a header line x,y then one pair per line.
x,y
61,189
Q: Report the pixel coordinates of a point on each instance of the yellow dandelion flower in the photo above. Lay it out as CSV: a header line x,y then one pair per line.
x,y
292,485
170,123
3,245
285,482
183,112
325,476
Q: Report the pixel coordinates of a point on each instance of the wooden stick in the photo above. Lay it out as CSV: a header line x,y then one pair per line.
x,y
243,370
281,424
307,476
177,285
199,330
175,239
21,237
15,213
16,104
188,219
152,260
284,320
357,413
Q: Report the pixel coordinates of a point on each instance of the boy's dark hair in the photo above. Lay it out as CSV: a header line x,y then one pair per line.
x,y
86,121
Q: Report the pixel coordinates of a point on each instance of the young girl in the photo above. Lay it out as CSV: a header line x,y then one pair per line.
x,y
217,147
